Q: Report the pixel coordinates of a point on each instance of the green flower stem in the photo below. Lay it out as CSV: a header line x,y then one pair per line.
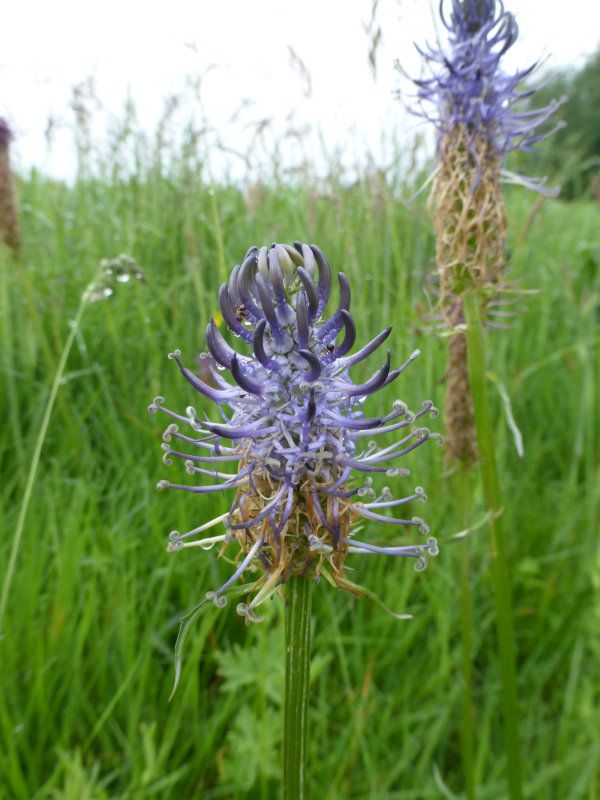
x,y
491,488
297,673
462,481
35,458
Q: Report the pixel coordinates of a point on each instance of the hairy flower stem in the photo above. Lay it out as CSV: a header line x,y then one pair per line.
x,y
462,486
491,488
297,669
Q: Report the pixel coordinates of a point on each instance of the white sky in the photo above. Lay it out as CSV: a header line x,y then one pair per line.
x,y
149,50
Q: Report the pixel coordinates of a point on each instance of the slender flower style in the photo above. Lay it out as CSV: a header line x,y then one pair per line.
x,y
290,424
481,115
9,220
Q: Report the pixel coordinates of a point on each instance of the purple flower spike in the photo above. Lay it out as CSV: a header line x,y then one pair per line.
x,y
349,336
290,420
468,87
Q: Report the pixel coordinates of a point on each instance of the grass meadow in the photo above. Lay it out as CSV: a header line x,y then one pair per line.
x,y
94,602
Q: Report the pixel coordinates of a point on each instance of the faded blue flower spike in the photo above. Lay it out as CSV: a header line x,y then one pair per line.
x,y
290,422
468,87
480,113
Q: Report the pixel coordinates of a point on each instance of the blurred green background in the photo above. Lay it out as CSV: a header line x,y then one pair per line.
x,y
87,639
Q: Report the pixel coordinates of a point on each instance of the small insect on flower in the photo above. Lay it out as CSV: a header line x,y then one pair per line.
x,y
288,441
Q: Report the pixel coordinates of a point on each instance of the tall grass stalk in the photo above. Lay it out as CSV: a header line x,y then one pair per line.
x,y
462,481
491,490
297,676
35,458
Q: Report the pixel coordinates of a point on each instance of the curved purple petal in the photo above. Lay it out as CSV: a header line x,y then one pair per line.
x,y
244,381
314,371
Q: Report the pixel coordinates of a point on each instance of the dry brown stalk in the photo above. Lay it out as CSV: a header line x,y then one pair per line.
x,y
9,220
